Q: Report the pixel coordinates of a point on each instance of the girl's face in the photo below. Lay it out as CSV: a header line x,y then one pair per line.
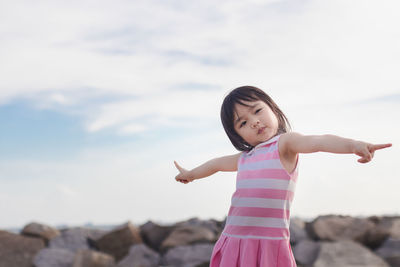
x,y
256,123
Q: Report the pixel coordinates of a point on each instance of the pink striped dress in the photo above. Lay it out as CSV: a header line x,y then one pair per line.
x,y
256,233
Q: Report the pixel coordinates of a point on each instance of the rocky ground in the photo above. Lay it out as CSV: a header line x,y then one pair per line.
x,y
326,241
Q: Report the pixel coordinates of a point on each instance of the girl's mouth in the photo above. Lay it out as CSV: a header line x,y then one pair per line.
x,y
261,130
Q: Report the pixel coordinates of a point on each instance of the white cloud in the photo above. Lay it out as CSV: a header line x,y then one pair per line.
x,y
132,129
66,190
175,106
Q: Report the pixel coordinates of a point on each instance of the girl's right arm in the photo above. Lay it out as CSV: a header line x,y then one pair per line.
x,y
226,163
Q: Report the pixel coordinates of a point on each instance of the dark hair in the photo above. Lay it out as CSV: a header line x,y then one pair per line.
x,y
248,93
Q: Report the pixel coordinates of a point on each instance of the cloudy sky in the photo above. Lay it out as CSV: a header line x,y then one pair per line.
x,y
98,98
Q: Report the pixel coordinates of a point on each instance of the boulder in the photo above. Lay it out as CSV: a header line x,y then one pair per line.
x,y
40,230
140,256
153,234
90,258
297,231
54,257
335,228
306,252
347,253
188,256
385,227
213,225
118,241
379,233
392,224
17,250
186,235
75,239
390,251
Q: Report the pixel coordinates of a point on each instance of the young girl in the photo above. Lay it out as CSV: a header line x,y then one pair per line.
x,y
256,232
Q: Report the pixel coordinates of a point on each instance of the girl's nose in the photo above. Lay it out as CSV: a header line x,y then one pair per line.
x,y
255,123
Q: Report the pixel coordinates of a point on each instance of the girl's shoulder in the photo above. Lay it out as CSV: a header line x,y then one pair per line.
x,y
288,143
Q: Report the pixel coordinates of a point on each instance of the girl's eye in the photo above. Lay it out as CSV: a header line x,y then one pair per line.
x,y
258,110
242,124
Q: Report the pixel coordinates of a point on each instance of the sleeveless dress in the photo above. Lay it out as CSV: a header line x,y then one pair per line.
x,y
256,232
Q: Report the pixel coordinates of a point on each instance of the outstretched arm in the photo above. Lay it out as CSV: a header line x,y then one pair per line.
x,y
227,163
293,143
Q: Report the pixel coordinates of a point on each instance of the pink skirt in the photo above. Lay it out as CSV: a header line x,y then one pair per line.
x,y
240,252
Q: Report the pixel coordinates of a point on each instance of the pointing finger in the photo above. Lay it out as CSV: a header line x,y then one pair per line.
x,y
177,166
380,146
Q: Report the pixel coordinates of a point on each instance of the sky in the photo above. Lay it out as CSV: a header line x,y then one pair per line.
x,y
98,98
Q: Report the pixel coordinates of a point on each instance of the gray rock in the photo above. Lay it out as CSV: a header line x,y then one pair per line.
x,y
54,257
306,252
118,241
188,256
393,225
186,235
347,253
40,230
213,225
153,234
90,258
335,228
379,233
17,250
297,231
390,251
140,256
75,239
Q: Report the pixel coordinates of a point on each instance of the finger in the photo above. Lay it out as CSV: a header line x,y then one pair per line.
x,y
177,166
380,146
366,157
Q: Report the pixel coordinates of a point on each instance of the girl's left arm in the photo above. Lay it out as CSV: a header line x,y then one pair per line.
x,y
293,143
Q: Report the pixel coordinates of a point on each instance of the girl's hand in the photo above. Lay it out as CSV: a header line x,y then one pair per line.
x,y
184,175
366,150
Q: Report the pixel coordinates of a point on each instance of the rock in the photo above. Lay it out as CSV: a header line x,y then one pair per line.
x,y
140,256
17,250
54,257
347,253
306,252
188,256
118,241
335,228
297,231
75,239
186,235
379,233
392,224
40,230
153,234
90,258
213,225
390,251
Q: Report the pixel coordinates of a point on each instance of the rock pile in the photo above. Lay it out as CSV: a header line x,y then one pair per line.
x,y
329,240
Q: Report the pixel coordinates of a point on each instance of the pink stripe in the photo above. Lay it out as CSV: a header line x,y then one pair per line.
x,y
264,173
264,193
259,212
256,231
260,157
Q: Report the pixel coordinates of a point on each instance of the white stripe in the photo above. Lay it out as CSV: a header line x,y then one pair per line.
x,y
255,237
259,165
267,184
260,203
257,221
